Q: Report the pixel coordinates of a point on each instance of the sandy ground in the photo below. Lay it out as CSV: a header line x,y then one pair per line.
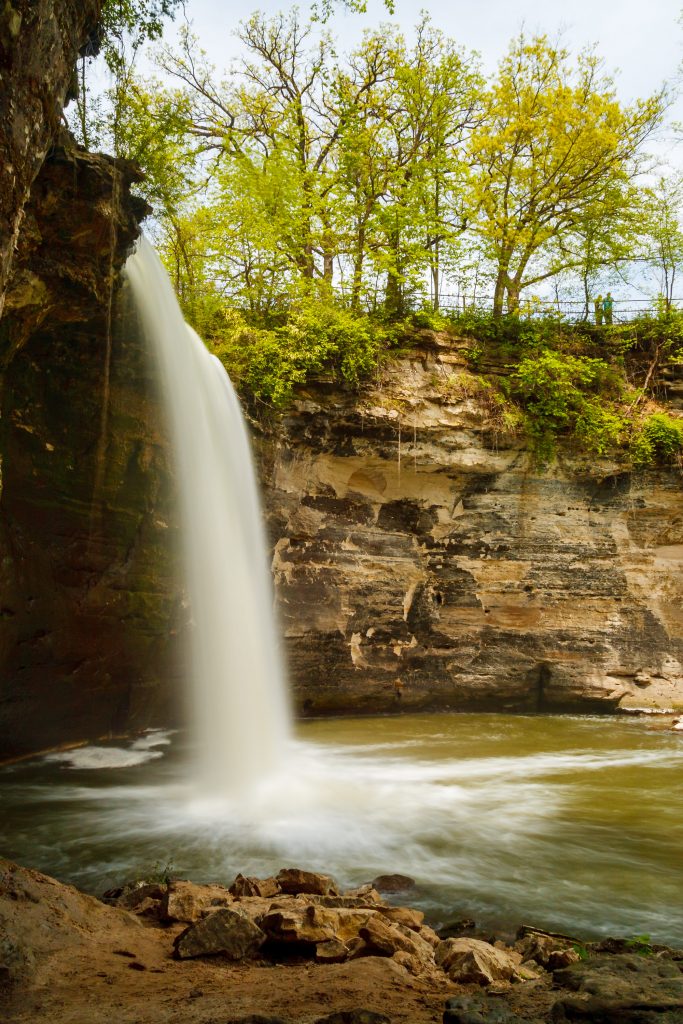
x,y
72,965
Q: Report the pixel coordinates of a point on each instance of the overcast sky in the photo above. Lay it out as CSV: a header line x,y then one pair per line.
x,y
641,38
641,41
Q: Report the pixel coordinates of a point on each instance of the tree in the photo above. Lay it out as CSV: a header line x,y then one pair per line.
x,y
123,27
430,109
663,235
555,155
363,157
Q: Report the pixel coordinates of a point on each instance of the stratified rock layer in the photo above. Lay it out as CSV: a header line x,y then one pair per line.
x,y
88,593
422,560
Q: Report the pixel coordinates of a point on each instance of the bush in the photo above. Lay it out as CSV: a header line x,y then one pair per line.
x,y
658,439
511,330
564,394
316,337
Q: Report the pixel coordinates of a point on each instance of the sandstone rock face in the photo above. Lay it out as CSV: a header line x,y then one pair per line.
x,y
422,560
225,932
39,43
87,592
294,880
471,961
89,599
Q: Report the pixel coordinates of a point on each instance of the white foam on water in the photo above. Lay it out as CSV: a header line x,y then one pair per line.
x,y
90,758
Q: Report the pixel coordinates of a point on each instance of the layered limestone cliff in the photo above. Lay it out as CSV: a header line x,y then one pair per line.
x,y
39,43
422,560
88,595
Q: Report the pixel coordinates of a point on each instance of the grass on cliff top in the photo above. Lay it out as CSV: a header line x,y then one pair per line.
x,y
590,390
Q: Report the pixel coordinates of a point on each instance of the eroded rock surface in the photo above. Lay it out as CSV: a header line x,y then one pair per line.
x,y
422,560
65,956
39,43
89,600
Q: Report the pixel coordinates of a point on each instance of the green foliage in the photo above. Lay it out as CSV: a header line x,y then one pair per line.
x,y
553,160
658,439
640,944
162,873
511,330
316,337
662,330
564,394
143,19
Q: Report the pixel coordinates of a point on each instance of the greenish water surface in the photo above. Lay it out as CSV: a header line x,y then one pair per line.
x,y
568,823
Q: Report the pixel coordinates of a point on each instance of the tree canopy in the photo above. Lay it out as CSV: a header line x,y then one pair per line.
x,y
306,201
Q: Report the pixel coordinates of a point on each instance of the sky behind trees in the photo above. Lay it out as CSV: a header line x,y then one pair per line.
x,y
641,38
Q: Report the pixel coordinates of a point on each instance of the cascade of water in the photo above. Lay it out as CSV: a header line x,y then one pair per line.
x,y
239,703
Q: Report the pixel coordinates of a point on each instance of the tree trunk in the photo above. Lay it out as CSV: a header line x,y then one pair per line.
x,y
513,297
393,295
499,292
436,274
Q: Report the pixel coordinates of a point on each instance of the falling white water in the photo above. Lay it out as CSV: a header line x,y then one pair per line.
x,y
239,703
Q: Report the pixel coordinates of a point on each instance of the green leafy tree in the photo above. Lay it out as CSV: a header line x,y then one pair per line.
x,y
124,26
556,155
663,234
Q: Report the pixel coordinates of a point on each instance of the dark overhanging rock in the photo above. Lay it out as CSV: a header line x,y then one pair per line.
x,y
89,592
39,43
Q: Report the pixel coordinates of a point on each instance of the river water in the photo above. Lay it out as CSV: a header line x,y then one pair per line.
x,y
568,823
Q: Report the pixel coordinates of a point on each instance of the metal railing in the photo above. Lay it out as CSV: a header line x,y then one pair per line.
x,y
623,310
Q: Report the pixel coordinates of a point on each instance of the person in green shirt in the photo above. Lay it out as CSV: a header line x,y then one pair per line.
x,y
607,305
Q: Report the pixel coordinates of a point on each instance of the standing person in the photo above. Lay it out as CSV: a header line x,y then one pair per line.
x,y
598,311
607,308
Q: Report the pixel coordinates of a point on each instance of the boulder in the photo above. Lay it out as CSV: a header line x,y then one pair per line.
x,y
549,951
430,936
604,1011
364,892
243,886
466,1010
412,919
370,900
562,958
224,932
624,979
187,902
473,961
301,922
332,951
454,929
384,939
358,948
132,895
295,881
393,883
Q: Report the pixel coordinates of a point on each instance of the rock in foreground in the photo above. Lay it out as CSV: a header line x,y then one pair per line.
x,y
291,958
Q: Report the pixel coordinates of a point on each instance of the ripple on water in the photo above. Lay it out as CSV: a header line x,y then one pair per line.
x,y
573,824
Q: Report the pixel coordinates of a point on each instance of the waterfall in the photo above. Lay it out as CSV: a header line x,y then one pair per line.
x,y
238,695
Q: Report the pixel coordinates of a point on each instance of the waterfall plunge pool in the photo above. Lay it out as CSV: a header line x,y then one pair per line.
x,y
567,823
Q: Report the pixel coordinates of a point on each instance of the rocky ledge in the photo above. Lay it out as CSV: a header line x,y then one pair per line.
x,y
423,560
293,949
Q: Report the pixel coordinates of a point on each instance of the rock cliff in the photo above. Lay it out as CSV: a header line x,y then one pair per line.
x,y
423,561
39,43
88,595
